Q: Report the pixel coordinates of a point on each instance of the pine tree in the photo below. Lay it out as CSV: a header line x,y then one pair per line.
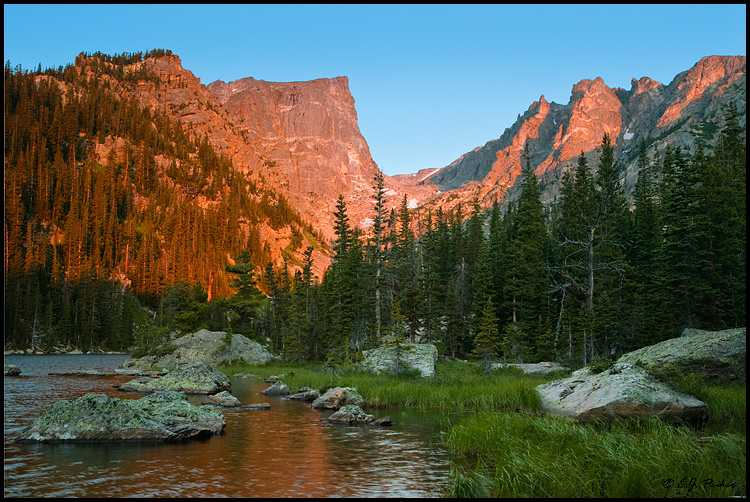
x,y
526,278
486,341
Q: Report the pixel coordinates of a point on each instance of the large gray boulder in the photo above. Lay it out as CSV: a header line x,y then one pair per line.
x,y
410,356
622,391
211,347
335,398
162,416
194,378
714,354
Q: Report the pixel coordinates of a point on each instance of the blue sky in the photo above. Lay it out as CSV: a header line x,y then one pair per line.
x,y
430,82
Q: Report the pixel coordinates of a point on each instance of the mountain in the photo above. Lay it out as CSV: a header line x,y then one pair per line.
x,y
683,113
308,133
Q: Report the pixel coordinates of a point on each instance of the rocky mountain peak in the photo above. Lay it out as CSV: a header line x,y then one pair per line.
x,y
687,110
644,84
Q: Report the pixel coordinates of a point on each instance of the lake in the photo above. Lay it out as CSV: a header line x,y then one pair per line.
x,y
282,452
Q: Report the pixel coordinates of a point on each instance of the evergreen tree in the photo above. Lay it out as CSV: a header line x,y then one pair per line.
x,y
526,278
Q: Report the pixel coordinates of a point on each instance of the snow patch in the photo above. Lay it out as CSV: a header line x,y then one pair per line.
x,y
433,172
413,203
390,191
628,135
366,222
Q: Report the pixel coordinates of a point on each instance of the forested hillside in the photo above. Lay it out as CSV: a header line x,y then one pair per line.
x,y
594,276
108,203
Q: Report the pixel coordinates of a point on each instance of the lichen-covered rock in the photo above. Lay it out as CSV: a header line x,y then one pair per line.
x,y
714,354
215,348
411,356
164,416
335,398
622,391
543,367
277,389
223,399
350,414
194,378
11,370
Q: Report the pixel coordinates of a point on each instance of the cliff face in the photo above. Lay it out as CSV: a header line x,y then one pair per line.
x,y
309,135
686,111
301,139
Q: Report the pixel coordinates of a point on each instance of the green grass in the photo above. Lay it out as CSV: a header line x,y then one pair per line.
x,y
457,386
520,453
529,456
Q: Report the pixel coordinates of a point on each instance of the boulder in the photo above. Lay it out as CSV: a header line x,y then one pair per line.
x,y
164,416
95,373
256,406
335,398
544,367
135,372
223,399
411,356
714,354
11,370
305,394
350,414
277,389
622,391
193,378
211,347
386,420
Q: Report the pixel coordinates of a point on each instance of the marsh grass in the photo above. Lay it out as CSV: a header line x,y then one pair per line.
x,y
520,453
456,386
553,457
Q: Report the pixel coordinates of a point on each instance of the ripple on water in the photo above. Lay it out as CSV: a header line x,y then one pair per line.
x,y
283,452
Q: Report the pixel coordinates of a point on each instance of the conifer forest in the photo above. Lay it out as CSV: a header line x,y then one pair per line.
x,y
122,254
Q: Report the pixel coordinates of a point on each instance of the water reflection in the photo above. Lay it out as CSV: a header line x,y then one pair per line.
x,y
286,451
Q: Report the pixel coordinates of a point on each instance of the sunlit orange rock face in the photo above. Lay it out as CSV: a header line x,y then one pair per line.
x,y
676,115
310,134
701,77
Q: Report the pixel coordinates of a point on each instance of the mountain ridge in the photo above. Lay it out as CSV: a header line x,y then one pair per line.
x,y
559,133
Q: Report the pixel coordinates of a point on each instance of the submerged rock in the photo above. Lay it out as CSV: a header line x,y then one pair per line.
x,y
256,406
164,416
337,397
11,370
95,373
193,378
350,414
714,354
411,356
622,391
215,348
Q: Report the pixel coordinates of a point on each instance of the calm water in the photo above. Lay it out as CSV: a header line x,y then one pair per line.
x,y
282,452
